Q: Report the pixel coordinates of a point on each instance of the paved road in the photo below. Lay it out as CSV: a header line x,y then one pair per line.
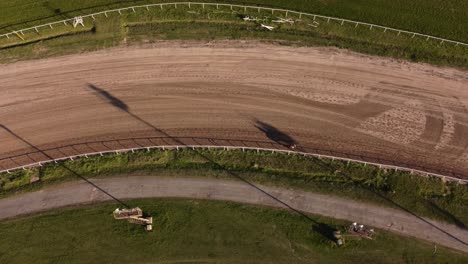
x,y
237,191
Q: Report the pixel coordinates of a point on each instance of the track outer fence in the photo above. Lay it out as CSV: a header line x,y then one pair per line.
x,y
245,7
193,147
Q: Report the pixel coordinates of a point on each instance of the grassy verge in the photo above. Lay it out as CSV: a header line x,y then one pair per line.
x,y
200,231
211,23
429,197
440,18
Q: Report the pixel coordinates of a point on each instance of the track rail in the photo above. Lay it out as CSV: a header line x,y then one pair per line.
x,y
245,7
243,148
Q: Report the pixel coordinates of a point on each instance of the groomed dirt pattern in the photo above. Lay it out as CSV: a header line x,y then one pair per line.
x,y
322,98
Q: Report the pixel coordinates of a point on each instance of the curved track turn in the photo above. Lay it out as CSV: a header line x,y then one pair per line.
x,y
410,114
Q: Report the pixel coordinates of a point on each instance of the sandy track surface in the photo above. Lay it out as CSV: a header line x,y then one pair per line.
x,y
415,115
147,186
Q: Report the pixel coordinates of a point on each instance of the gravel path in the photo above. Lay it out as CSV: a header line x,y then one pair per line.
x,y
146,186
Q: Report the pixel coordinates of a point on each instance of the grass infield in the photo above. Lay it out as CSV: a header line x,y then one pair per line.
x,y
198,231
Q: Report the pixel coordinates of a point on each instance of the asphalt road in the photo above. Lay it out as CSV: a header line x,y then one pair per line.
x,y
146,186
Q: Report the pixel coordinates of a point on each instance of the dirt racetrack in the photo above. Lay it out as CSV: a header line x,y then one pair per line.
x,y
323,99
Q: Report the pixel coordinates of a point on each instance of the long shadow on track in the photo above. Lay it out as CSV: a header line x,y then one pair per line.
x,y
65,167
323,229
274,134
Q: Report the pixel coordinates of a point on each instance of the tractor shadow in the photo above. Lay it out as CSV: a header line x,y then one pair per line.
x,y
275,134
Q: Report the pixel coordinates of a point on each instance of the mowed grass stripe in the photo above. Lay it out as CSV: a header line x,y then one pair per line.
x,y
446,19
223,24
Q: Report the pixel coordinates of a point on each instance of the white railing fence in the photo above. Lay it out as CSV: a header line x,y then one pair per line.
x,y
193,147
245,8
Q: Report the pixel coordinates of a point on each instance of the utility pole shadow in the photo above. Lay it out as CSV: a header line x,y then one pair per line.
x,y
321,228
63,165
458,223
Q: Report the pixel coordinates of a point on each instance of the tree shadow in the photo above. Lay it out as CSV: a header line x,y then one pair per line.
x,y
109,98
57,11
323,229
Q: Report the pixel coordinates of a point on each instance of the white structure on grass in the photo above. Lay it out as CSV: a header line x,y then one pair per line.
x,y
78,21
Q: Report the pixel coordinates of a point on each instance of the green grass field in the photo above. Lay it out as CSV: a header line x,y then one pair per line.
x,y
429,197
198,231
441,18
211,23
